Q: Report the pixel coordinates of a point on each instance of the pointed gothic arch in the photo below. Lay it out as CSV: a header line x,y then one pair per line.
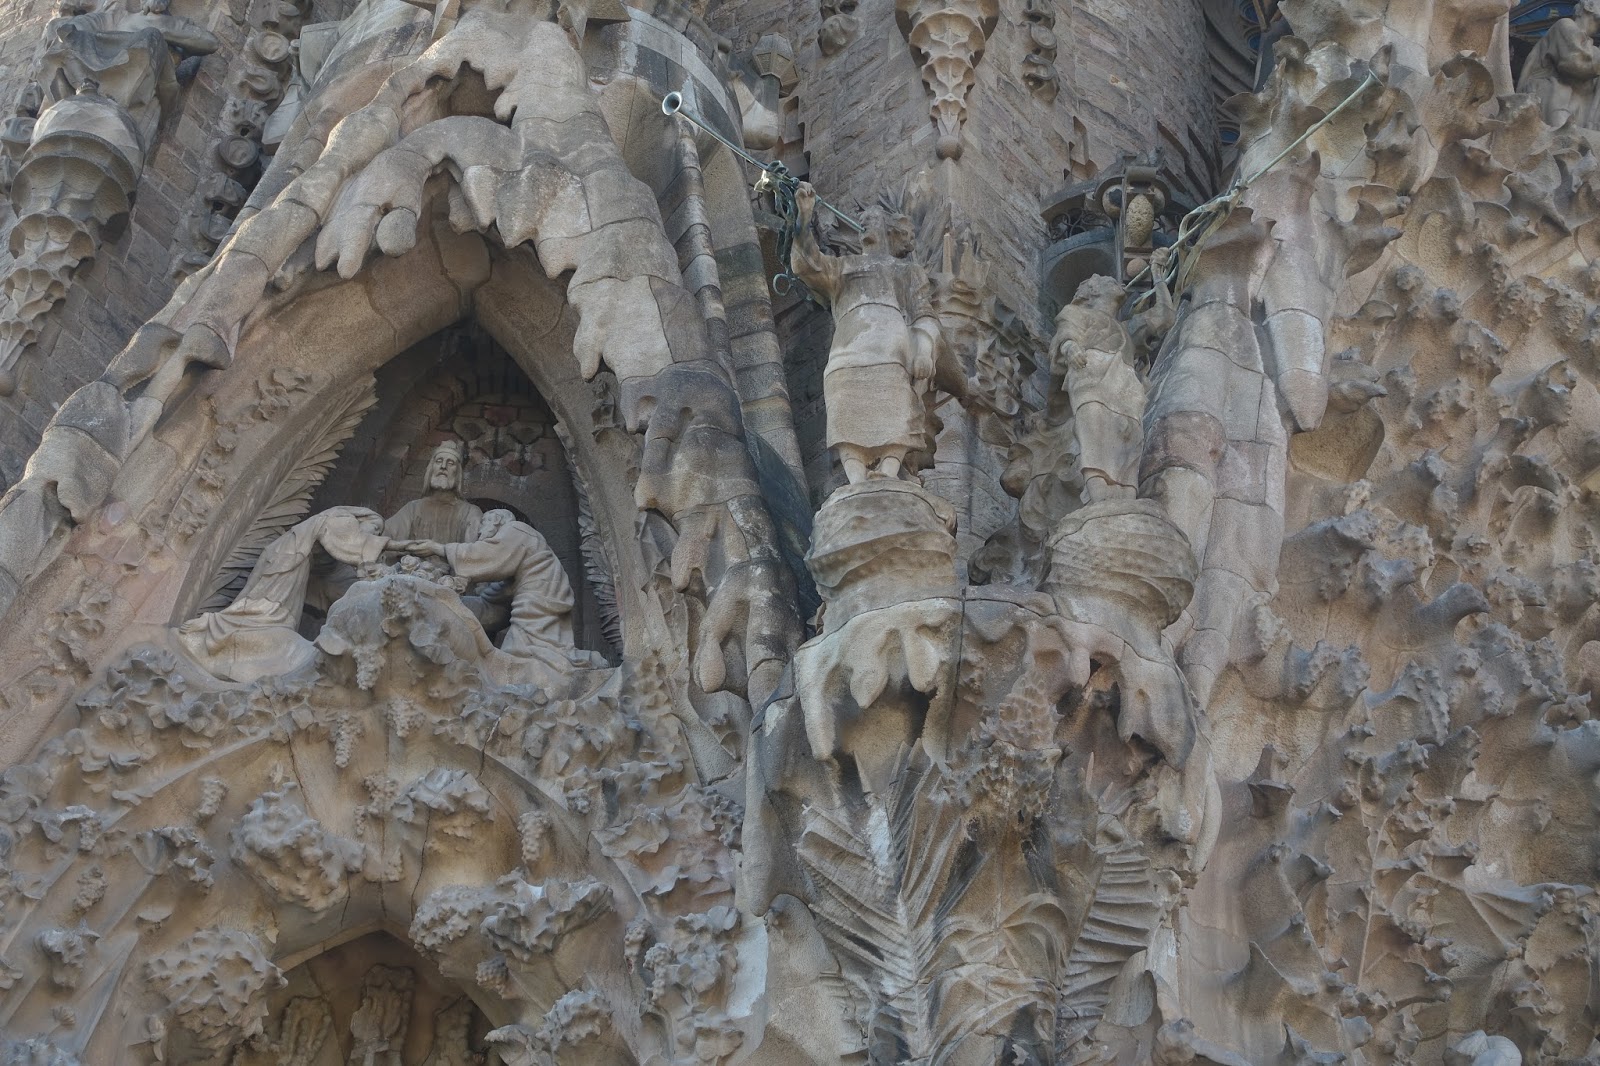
x,y
143,770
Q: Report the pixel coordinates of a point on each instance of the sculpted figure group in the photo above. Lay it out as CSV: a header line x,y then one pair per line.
x,y
258,634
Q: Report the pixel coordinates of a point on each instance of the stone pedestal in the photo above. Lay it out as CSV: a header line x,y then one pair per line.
x,y
1123,567
883,556
879,543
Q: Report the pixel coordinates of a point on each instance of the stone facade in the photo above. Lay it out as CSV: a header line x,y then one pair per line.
x,y
877,532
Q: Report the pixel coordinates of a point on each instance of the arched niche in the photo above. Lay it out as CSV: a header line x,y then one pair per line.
x,y
461,385
371,993
360,341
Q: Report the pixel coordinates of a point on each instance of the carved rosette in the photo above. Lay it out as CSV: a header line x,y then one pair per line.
x,y
949,37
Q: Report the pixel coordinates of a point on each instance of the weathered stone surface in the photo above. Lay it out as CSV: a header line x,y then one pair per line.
x,y
861,673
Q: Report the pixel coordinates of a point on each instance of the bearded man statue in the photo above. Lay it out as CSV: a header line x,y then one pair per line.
x,y
441,514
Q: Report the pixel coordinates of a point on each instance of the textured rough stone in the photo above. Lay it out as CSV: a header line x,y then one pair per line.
x,y
858,673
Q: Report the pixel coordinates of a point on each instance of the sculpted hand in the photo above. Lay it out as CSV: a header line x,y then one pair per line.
x,y
805,198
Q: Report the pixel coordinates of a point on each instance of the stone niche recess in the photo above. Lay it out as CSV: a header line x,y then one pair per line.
x,y
460,385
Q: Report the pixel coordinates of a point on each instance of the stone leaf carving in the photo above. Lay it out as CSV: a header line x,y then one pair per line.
x,y
213,985
291,853
535,917
575,1019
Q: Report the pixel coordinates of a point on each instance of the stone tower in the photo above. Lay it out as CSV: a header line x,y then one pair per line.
x,y
927,532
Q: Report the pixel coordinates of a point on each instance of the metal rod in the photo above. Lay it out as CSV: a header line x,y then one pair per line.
x,y
672,104
1189,229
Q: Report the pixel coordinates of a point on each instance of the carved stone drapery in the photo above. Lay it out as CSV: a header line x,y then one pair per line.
x,y
949,37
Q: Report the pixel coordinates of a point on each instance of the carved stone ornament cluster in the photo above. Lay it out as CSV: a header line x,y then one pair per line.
x,y
73,153
263,101
1249,724
949,38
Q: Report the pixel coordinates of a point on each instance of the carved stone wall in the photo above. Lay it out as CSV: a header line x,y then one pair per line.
x,y
132,272
537,596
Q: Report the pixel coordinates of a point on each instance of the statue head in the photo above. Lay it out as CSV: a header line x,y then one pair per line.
x,y
1588,15
494,521
1100,293
445,468
889,226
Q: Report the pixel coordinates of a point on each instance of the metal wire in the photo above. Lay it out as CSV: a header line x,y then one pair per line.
x,y
1198,224
775,179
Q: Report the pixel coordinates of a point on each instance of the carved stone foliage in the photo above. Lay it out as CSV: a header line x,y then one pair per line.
x,y
979,887
291,853
949,37
1268,739
258,85
77,147
313,828
212,985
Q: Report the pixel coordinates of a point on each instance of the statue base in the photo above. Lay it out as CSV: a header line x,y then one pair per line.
x,y
881,542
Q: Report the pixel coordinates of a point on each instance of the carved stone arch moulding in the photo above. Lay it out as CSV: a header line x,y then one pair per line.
x,y
222,792
190,842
